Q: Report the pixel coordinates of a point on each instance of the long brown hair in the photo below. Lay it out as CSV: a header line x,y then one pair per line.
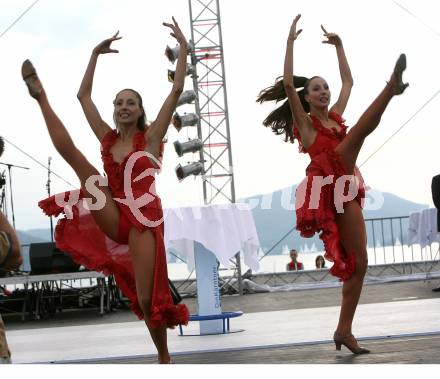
x,y
280,119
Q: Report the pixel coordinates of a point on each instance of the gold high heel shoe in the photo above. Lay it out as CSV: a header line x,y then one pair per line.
x,y
342,340
399,86
31,79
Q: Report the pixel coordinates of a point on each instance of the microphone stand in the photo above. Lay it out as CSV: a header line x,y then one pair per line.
x,y
9,166
48,192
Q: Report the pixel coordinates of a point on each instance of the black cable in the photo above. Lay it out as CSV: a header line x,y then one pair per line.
x,y
41,164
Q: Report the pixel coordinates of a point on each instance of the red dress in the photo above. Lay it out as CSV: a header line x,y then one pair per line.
x,y
79,235
316,205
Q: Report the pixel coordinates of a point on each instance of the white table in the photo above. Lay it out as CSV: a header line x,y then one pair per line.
x,y
207,234
224,229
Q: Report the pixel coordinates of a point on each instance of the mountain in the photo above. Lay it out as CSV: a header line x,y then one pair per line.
x,y
33,236
274,216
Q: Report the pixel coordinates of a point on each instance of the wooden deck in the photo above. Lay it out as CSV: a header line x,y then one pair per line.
x,y
394,350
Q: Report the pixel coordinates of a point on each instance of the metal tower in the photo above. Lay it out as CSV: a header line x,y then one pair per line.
x,y
209,81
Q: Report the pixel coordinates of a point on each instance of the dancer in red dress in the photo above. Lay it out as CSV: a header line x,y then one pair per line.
x,y
330,198
120,231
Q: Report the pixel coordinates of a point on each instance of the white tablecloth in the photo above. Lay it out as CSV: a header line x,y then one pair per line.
x,y
223,229
422,228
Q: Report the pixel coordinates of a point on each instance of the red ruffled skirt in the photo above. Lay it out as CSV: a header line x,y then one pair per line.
x,y
319,196
79,235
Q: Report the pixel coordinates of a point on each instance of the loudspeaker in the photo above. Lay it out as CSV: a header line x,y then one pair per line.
x,y
435,189
45,258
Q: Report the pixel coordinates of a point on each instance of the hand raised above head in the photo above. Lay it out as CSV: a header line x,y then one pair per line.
x,y
332,38
105,46
293,33
176,32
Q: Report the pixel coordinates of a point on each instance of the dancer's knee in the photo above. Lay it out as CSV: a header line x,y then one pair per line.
x,y
362,264
145,304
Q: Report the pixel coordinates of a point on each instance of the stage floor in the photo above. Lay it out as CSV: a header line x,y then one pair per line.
x,y
295,333
394,350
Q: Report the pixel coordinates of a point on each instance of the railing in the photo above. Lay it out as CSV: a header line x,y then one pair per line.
x,y
387,243
390,242
388,254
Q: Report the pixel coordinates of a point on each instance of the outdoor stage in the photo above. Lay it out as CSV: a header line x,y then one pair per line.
x,y
399,322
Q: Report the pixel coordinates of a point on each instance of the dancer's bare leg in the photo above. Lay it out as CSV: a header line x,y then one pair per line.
x,y
142,245
353,237
108,217
143,253
351,145
351,224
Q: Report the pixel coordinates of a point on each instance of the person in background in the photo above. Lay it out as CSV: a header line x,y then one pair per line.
x,y
320,262
10,260
294,264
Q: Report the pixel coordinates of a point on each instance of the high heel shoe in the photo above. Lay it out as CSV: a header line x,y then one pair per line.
x,y
30,77
399,86
343,340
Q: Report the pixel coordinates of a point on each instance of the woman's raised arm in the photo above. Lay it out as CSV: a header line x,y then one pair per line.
x,y
344,69
157,130
301,119
98,125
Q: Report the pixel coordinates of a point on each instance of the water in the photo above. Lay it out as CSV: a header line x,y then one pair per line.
x,y
277,263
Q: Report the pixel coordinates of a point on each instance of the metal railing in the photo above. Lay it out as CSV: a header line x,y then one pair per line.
x,y
390,242
388,250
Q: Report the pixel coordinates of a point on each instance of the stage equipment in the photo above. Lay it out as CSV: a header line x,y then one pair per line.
x,y
45,258
195,169
211,105
186,97
190,119
173,53
190,70
187,147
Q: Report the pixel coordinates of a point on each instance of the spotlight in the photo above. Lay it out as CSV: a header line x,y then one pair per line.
x,y
190,119
186,97
173,53
186,147
182,172
189,71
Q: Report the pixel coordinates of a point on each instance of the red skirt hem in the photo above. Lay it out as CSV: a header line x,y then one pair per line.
x,y
81,237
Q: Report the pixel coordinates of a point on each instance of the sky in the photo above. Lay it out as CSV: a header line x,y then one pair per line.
x,y
59,35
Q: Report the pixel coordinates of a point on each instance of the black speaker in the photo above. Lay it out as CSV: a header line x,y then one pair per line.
x,y
45,258
435,189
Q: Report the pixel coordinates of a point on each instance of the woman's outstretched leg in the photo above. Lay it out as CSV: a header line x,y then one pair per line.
x,y
351,226
108,217
351,145
143,254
